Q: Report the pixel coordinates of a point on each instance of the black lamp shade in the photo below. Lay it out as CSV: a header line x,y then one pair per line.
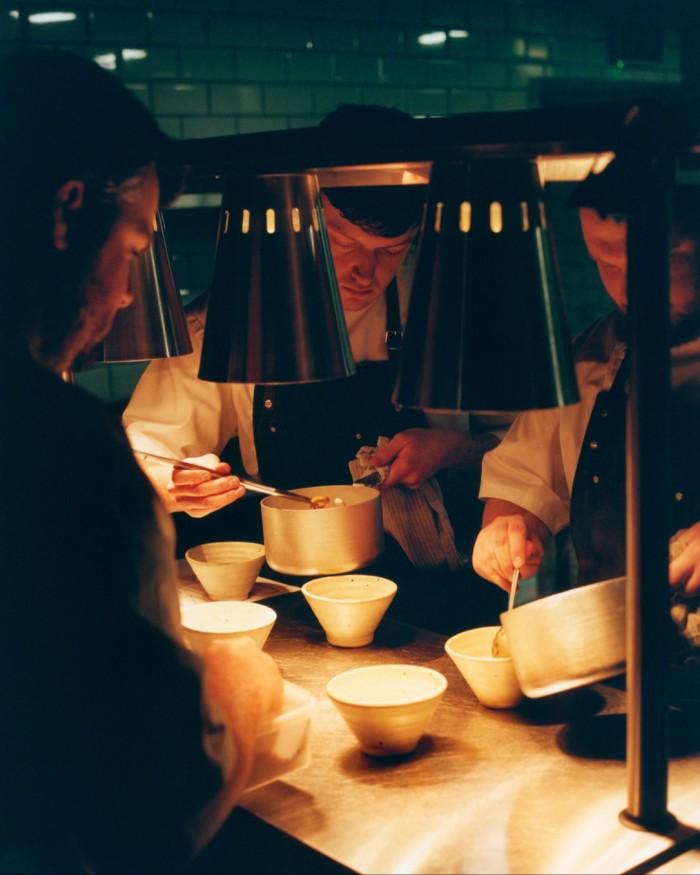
x,y
274,313
486,328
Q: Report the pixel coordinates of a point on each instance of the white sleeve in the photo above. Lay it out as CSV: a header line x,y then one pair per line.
x,y
527,468
172,412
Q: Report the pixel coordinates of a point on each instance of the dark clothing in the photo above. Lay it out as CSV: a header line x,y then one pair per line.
x,y
101,758
598,495
598,500
306,434
317,428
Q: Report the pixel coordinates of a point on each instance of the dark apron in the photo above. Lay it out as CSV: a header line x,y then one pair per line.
x,y
598,518
306,433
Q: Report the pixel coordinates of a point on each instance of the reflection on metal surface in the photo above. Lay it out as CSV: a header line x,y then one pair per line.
x,y
274,312
486,792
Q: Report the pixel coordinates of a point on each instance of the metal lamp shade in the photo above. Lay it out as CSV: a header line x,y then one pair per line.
x,y
274,313
154,326
486,329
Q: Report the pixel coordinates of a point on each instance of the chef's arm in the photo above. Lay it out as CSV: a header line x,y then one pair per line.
x,y
417,454
511,537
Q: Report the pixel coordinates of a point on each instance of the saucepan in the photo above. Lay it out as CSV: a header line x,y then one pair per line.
x,y
346,535
569,639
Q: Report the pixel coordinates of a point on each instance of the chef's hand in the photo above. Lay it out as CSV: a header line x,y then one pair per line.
x,y
511,538
684,567
417,454
196,493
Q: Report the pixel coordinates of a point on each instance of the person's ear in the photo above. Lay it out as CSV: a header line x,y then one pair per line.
x,y
68,198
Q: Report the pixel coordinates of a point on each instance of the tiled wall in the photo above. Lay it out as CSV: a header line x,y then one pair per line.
x,y
216,67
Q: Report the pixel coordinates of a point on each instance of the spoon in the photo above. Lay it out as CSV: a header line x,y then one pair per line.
x,y
499,647
317,502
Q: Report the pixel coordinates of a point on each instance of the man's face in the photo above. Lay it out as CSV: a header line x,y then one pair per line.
x,y
364,263
606,240
106,286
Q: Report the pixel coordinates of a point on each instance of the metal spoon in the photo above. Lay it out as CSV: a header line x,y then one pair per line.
x,y
316,502
499,647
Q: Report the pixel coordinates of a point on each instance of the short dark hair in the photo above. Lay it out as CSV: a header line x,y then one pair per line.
x,y
63,117
384,210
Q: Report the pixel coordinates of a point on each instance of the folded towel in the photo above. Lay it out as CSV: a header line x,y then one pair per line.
x,y
416,518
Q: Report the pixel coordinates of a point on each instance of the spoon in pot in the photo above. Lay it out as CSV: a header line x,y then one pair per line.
x,y
499,646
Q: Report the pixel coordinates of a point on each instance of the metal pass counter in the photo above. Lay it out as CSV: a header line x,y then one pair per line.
x,y
537,789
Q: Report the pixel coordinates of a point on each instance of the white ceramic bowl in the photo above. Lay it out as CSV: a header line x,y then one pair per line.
x,y
387,707
226,569
492,678
210,621
349,607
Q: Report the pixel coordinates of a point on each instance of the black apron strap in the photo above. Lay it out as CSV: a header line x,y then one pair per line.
x,y
394,332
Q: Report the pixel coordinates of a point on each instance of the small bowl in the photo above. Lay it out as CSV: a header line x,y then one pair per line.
x,y
492,678
226,569
387,707
209,621
349,607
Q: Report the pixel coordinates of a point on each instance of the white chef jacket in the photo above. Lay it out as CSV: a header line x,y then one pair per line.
x,y
535,463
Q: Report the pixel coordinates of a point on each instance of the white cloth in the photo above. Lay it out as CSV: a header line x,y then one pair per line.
x,y
535,463
417,519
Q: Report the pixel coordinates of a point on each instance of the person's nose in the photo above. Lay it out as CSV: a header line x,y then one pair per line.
x,y
364,267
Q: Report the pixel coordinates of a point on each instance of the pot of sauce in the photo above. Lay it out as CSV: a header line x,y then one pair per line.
x,y
568,639
345,535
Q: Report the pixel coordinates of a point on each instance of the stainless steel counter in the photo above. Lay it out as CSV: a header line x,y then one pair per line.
x,y
537,789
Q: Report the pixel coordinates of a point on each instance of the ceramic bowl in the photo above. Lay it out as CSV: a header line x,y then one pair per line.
x,y
349,607
387,707
209,621
226,569
491,678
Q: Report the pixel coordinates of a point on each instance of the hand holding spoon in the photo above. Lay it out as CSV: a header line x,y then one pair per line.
x,y
499,647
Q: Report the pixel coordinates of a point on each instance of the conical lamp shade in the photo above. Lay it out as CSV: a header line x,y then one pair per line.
x,y
154,326
274,313
486,329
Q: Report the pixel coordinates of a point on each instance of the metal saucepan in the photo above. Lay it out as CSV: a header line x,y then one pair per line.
x,y
327,541
568,639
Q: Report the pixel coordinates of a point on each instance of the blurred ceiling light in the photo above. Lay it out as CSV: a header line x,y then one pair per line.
x,y
572,168
458,34
405,173
13,13
108,61
134,54
435,38
51,17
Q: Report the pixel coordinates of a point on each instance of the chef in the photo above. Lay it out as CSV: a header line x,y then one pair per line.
x,y
566,466
307,434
